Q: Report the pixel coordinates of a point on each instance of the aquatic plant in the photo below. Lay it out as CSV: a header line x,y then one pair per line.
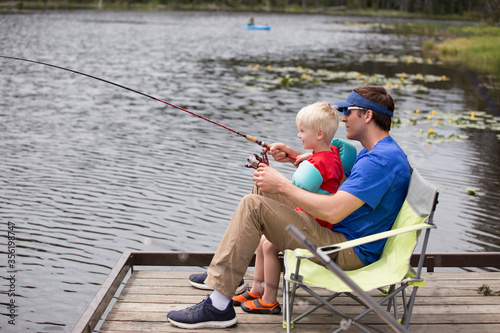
x,y
391,58
438,123
474,191
290,75
433,126
286,82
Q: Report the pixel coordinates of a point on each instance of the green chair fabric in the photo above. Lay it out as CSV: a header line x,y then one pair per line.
x,y
392,269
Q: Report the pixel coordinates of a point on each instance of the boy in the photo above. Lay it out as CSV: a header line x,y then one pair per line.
x,y
321,173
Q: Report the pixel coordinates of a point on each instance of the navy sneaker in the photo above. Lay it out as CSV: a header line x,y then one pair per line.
x,y
203,315
198,281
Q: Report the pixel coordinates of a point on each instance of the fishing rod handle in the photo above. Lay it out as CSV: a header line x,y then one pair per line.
x,y
265,145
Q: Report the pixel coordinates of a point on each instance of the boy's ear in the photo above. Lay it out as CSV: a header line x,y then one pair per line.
x,y
320,135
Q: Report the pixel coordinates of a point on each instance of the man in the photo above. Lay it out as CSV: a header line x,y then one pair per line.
x,y
366,203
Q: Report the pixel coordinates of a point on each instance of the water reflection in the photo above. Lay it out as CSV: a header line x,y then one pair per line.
x,y
89,170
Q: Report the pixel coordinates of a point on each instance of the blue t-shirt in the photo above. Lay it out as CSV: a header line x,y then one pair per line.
x,y
380,177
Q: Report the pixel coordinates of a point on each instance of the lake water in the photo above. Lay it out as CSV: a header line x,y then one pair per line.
x,y
89,170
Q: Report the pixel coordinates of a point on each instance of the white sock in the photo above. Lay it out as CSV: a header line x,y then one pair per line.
x,y
219,301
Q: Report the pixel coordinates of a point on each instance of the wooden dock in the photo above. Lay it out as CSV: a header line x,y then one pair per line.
x,y
449,302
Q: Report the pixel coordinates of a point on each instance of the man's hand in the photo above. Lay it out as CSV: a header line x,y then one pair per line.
x,y
269,180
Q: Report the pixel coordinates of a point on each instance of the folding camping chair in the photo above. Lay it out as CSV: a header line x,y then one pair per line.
x,y
393,270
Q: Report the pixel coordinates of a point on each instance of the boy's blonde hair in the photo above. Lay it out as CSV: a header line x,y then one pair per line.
x,y
319,116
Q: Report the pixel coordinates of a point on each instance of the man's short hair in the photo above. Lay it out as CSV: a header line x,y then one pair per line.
x,y
380,96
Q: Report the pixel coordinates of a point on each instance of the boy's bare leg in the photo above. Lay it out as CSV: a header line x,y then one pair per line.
x,y
272,271
259,275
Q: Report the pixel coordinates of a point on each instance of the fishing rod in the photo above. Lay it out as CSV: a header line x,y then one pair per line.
x,y
252,160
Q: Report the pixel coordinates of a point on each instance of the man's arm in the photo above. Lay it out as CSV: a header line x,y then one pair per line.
x,y
332,208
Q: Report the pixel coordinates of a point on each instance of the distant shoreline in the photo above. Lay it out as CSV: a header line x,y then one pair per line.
x,y
475,45
154,6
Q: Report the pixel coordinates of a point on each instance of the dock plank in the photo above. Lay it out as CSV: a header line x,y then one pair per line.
x,y
449,302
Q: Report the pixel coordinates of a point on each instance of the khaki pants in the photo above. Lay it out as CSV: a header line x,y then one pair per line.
x,y
266,214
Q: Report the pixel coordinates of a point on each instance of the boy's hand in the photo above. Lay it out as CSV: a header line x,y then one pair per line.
x,y
302,157
280,152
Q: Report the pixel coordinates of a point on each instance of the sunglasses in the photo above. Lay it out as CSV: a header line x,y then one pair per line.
x,y
351,108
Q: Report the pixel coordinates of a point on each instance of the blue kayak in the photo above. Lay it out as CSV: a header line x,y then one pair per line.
x,y
256,27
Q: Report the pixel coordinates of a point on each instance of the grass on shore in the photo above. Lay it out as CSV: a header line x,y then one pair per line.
x,y
480,54
476,47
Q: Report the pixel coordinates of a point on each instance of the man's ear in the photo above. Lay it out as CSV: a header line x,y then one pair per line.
x,y
368,115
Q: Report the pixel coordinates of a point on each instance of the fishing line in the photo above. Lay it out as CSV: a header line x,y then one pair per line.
x,y
248,137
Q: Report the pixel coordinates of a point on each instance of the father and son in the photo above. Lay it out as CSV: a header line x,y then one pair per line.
x,y
329,199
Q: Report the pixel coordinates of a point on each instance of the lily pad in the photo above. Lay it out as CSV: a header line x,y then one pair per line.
x,y
474,191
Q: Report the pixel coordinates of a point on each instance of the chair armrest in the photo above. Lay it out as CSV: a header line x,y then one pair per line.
x,y
334,248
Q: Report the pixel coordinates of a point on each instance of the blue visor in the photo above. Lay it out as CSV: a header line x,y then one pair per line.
x,y
358,100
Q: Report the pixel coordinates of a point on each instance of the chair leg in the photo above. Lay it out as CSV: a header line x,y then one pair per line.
x,y
396,313
405,305
286,306
391,300
288,300
409,308
392,303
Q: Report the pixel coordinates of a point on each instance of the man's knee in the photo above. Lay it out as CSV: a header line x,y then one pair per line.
x,y
252,201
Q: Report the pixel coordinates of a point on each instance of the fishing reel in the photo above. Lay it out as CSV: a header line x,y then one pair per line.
x,y
256,158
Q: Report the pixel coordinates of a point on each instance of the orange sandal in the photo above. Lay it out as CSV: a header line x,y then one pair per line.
x,y
256,306
246,296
